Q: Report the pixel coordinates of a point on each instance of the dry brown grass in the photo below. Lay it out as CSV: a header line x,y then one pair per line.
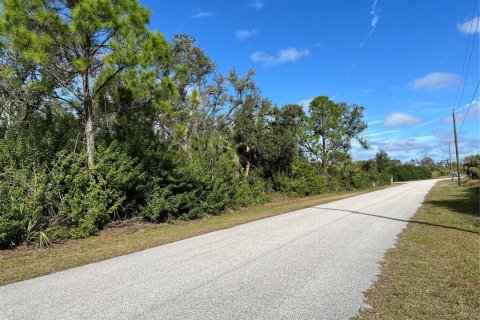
x,y
28,262
434,272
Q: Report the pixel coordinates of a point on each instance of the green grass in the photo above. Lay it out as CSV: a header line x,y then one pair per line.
x,y
434,271
28,262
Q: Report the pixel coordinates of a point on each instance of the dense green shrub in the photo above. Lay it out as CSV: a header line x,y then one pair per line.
x,y
35,140
22,198
11,231
347,176
304,180
408,172
251,191
471,165
207,180
89,200
38,199
27,147
384,178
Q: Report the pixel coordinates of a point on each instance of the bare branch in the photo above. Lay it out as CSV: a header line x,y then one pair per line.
x,y
107,81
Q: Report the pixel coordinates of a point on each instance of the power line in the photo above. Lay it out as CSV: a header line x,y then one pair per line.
x,y
471,102
469,60
465,56
462,79
471,33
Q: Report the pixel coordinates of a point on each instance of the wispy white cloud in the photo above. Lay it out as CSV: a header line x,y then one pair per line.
x,y
400,119
393,87
434,145
375,13
426,107
285,55
245,34
367,91
198,13
419,104
433,110
436,81
374,122
473,113
470,26
421,144
382,133
257,4
305,103
427,123
474,106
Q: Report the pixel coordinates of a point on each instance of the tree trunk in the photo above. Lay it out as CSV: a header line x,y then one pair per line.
x,y
247,168
89,133
324,154
89,130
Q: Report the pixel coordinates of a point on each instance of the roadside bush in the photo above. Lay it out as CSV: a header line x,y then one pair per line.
x,y
408,172
27,146
348,176
35,141
304,180
471,166
474,173
252,190
186,192
87,205
359,179
22,199
39,203
207,180
11,231
384,179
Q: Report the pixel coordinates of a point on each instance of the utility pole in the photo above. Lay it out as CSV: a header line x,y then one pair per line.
x,y
450,153
456,147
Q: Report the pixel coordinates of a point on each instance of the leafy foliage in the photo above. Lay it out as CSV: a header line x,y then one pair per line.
x,y
408,172
305,179
471,166
172,138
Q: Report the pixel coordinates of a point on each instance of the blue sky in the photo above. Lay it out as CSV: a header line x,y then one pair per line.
x,y
400,59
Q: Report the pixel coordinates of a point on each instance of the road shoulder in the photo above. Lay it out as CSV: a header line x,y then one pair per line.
x,y
434,270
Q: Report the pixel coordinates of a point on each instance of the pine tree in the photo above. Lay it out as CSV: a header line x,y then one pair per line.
x,y
80,47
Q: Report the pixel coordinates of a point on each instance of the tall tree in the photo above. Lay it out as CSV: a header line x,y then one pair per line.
x,y
427,162
191,68
333,126
249,129
279,146
234,92
79,47
383,161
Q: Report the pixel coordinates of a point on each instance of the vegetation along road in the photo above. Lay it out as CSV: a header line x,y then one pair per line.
x,y
311,263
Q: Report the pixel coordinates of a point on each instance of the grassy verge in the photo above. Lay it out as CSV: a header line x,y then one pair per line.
x,y
434,272
28,262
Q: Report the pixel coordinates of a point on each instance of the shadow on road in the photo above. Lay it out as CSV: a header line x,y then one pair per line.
x,y
402,220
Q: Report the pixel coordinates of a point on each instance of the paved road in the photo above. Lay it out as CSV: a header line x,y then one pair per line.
x,y
308,264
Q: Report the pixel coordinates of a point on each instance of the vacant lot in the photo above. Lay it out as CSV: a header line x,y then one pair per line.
x,y
434,272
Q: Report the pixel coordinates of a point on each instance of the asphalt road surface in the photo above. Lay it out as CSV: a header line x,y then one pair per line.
x,y
313,263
